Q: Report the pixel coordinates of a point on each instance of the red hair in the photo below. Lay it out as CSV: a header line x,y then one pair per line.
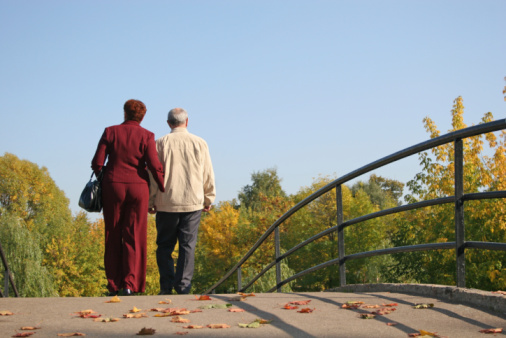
x,y
134,110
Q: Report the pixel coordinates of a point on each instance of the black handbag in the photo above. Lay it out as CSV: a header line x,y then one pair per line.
x,y
91,197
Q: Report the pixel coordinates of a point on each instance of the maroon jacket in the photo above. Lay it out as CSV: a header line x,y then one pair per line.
x,y
128,148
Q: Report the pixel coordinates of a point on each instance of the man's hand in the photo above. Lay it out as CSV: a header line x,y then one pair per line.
x,y
152,210
206,209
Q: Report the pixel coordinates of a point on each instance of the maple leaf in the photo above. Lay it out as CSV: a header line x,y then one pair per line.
x,y
23,334
264,321
290,307
300,302
306,310
146,332
236,310
134,310
114,299
71,334
166,314
391,304
178,319
193,327
350,306
157,309
135,315
423,306
246,295
166,301
498,330
203,297
30,328
6,313
370,306
218,326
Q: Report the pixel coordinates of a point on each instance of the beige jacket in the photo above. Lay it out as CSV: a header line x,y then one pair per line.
x,y
189,176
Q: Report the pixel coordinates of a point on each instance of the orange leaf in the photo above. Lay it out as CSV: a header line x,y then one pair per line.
x,y
246,295
218,326
71,334
290,307
236,310
181,333
306,310
135,315
166,301
30,328
23,334
6,313
391,304
134,310
300,302
178,319
196,310
203,297
391,324
498,330
370,306
114,299
193,327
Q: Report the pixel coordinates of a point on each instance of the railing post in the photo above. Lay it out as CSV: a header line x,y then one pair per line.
x,y
340,236
459,214
278,253
239,279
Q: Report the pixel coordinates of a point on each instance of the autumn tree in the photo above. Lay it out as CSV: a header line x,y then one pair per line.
x,y
264,182
485,220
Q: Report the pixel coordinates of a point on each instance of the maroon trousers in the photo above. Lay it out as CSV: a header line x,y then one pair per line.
x,y
126,218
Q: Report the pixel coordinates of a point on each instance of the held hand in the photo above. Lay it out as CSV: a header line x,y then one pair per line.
x,y
206,209
152,210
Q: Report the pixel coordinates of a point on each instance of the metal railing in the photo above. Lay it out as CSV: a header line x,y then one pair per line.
x,y
460,244
7,277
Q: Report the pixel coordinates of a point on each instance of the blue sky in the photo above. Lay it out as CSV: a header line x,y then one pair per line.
x,y
311,88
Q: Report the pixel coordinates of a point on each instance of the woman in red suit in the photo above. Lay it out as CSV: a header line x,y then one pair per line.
x,y
125,196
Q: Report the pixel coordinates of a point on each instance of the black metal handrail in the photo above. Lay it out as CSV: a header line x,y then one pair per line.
x,y
7,277
458,199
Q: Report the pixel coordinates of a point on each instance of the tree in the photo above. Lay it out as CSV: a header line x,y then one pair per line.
x,y
265,182
484,220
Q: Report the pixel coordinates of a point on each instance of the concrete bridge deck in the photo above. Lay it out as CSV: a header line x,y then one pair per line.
x,y
328,319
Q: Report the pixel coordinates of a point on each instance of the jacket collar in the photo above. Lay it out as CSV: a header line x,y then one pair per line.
x,y
179,130
131,122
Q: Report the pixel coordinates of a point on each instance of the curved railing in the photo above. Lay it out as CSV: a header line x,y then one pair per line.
x,y
458,199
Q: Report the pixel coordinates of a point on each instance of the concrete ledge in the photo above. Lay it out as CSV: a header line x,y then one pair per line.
x,y
472,297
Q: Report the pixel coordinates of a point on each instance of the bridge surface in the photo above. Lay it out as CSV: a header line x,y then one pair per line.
x,y
327,318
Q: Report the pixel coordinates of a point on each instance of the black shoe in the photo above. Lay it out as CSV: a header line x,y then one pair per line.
x,y
112,293
165,292
127,292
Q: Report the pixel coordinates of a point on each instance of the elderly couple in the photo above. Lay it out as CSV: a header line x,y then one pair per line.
x,y
178,186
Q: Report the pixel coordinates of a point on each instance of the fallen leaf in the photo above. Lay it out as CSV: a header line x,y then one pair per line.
x,y
134,310
350,306
370,306
178,319
366,316
193,327
6,313
413,334
23,334
264,321
203,297
300,302
427,333
423,306
166,301
181,333
254,324
498,330
157,309
71,334
290,307
165,314
196,310
114,299
135,315
218,326
500,292
306,310
391,324
236,310
146,332
30,328
391,304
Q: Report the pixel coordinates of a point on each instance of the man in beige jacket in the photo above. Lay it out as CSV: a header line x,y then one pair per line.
x,y
189,190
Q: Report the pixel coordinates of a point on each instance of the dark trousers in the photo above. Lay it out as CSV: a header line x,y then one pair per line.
x,y
126,219
173,227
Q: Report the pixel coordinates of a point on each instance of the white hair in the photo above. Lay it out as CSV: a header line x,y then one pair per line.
x,y
177,116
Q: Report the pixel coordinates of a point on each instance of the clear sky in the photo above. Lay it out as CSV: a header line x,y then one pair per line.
x,y
308,87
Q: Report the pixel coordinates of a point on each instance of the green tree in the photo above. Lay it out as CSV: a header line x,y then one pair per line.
x,y
484,220
266,183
